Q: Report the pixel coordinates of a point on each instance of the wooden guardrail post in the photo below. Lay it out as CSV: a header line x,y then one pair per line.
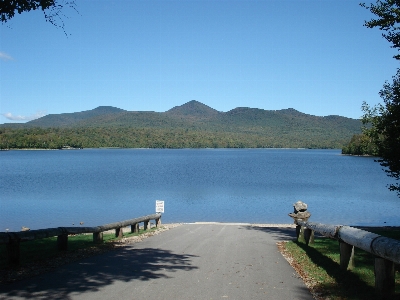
x,y
298,230
384,278
304,233
346,256
119,233
13,251
135,228
62,242
158,222
312,237
308,235
146,225
97,237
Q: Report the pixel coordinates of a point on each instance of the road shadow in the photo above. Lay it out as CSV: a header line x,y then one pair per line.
x,y
281,233
88,275
278,233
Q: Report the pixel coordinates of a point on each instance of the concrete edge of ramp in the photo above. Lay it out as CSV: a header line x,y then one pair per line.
x,y
242,224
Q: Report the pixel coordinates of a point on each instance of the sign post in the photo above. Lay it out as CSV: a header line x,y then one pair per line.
x,y
159,206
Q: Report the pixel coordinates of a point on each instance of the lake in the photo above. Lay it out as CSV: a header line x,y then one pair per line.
x,y
42,189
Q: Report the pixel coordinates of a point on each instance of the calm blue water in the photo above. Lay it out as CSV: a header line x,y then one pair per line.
x,y
41,189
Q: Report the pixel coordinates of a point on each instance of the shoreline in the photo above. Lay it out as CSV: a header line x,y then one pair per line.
x,y
205,148
266,225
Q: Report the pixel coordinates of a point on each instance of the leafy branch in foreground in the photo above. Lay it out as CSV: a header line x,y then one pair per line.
x,y
52,9
388,13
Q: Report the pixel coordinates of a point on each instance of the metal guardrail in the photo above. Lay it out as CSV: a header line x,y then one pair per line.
x,y
13,239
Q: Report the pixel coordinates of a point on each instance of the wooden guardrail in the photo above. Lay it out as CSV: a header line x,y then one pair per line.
x,y
386,250
13,239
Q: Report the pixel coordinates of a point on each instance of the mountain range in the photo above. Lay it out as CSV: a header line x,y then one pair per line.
x,y
289,126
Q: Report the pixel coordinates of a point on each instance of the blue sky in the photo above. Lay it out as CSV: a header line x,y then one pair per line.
x,y
311,55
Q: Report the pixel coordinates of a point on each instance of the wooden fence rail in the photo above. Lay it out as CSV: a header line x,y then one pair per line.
x,y
13,239
386,250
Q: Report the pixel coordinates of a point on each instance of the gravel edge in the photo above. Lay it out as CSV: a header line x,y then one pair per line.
x,y
308,281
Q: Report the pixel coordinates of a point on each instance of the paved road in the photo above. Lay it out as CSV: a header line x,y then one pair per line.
x,y
192,261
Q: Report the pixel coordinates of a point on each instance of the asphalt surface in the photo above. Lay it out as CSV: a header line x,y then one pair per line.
x,y
192,261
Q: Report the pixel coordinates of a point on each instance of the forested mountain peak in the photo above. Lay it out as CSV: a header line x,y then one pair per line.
x,y
67,119
105,110
193,108
291,111
191,125
245,110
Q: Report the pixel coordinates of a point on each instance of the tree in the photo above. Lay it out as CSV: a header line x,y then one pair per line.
x,y
388,13
385,118
52,9
385,129
360,144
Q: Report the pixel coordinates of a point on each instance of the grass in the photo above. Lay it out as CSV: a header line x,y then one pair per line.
x,y
43,249
319,262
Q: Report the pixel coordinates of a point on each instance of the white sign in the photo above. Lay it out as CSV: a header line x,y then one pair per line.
x,y
159,206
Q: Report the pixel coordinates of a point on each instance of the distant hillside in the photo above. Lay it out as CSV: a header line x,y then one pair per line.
x,y
69,119
192,124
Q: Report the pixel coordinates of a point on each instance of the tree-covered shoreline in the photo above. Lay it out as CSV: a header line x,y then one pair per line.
x,y
117,137
361,145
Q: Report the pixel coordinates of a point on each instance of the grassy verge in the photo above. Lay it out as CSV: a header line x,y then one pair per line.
x,y
318,264
44,249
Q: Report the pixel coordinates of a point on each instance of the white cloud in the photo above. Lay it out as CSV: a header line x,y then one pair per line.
x,y
12,117
5,56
